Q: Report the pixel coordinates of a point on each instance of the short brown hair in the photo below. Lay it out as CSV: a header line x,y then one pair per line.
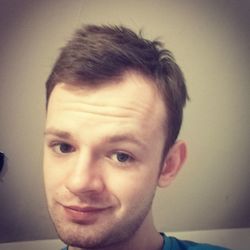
x,y
97,54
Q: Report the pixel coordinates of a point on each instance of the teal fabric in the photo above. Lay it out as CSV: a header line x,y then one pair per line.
x,y
171,243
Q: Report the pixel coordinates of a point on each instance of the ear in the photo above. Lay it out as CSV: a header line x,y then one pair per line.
x,y
172,163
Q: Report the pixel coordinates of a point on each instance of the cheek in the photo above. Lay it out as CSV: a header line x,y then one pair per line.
x,y
133,188
53,175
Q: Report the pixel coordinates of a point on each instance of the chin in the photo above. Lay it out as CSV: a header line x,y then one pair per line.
x,y
86,239
84,236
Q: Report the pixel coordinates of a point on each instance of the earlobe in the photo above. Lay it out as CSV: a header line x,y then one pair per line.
x,y
172,164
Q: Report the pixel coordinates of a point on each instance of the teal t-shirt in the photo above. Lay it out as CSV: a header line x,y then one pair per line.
x,y
171,243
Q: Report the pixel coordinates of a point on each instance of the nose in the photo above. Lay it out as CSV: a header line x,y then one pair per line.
x,y
84,176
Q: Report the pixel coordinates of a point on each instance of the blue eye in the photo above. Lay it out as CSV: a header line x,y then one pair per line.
x,y
122,157
65,148
62,148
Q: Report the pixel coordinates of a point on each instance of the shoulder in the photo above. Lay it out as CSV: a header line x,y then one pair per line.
x,y
171,243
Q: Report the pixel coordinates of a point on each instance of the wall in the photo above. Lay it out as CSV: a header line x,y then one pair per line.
x,y
210,40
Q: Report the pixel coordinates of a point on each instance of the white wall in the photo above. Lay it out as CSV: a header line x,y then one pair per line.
x,y
210,40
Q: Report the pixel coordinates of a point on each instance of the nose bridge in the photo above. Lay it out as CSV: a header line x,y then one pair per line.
x,y
84,174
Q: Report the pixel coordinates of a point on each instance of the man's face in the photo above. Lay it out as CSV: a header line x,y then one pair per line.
x,y
102,155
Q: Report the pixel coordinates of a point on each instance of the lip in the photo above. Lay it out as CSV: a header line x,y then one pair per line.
x,y
84,215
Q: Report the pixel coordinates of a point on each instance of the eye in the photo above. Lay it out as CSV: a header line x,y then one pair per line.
x,y
121,157
62,148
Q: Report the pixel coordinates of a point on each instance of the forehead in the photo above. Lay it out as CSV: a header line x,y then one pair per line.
x,y
133,97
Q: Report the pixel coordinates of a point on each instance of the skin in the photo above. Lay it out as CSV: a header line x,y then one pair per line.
x,y
102,155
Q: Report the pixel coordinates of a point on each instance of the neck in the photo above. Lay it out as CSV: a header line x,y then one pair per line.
x,y
145,238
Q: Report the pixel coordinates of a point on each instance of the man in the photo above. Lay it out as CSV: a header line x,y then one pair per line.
x,y
114,111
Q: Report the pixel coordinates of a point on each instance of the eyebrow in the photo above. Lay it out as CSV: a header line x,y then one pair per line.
x,y
57,133
124,137
115,138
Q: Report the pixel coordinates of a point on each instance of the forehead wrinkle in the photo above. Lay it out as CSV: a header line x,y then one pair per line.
x,y
143,100
112,110
106,114
133,101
